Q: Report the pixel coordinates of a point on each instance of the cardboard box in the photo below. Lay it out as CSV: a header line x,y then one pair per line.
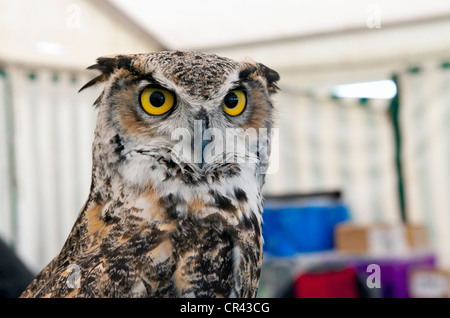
x,y
380,239
417,236
429,283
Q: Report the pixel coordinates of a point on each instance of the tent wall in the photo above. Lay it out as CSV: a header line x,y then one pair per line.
x,y
330,144
48,182
425,130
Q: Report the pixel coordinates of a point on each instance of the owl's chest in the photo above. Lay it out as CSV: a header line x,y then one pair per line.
x,y
172,259
161,246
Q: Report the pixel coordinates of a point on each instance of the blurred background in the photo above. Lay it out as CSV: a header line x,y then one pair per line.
x,y
364,131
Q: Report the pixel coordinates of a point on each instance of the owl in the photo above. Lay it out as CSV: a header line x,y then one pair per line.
x,y
180,152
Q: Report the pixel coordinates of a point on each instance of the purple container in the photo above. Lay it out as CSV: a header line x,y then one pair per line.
x,y
394,272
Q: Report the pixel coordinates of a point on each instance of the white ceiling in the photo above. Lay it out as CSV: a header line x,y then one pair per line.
x,y
199,24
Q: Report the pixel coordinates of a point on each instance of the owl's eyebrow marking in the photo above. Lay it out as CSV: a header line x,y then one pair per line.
x,y
153,81
148,77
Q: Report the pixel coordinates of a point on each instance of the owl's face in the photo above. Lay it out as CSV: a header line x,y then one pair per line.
x,y
199,112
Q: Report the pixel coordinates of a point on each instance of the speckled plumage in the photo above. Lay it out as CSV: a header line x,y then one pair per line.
x,y
155,226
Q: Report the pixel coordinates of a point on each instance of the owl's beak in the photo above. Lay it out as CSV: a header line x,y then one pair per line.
x,y
201,124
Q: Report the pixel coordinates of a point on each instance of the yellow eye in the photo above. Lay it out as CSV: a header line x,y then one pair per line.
x,y
234,102
156,101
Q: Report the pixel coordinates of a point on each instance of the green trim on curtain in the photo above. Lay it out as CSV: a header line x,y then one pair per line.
x,y
343,145
364,101
395,117
12,176
32,76
414,70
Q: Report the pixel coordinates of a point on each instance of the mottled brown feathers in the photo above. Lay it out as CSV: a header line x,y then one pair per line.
x,y
184,68
156,224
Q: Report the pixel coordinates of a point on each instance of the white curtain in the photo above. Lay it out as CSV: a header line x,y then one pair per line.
x,y
342,144
328,144
7,189
325,143
53,132
425,130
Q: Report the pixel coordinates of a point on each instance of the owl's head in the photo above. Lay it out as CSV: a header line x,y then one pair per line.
x,y
196,115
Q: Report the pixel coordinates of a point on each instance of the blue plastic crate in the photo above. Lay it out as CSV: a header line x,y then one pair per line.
x,y
291,229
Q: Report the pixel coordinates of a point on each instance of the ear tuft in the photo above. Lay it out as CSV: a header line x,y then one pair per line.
x,y
107,65
99,79
271,76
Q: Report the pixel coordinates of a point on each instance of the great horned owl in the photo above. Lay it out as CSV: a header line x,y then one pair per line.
x,y
175,208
